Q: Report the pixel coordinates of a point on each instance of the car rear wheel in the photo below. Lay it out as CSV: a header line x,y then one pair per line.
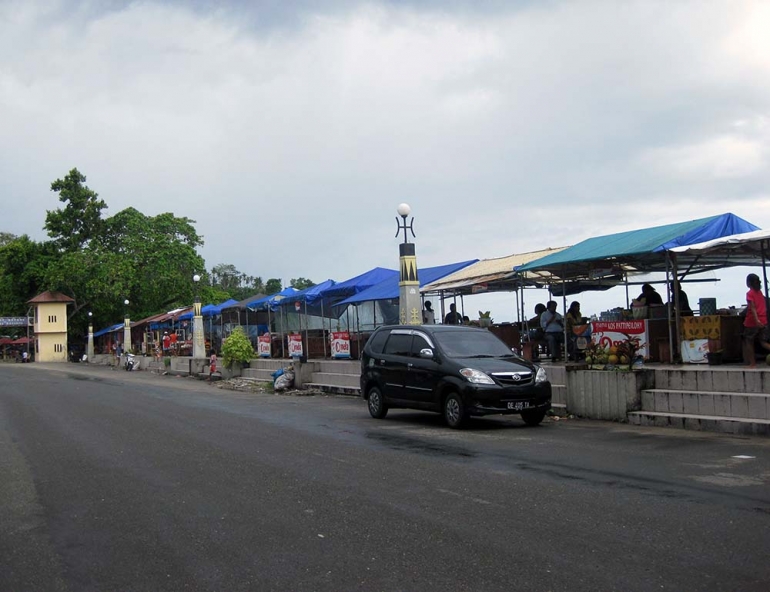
x,y
532,418
377,407
454,411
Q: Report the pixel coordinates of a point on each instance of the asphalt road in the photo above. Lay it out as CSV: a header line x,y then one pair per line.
x,y
118,481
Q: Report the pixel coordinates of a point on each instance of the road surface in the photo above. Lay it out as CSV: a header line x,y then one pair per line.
x,y
132,481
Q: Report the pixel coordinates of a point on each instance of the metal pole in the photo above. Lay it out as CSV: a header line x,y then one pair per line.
x,y
668,319
307,333
677,311
564,319
323,327
762,245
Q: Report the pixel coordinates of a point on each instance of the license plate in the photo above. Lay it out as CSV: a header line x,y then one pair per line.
x,y
519,405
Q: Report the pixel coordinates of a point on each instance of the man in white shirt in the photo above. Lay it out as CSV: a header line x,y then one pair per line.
x,y
552,324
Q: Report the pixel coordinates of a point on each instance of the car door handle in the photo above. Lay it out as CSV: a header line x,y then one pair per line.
x,y
409,364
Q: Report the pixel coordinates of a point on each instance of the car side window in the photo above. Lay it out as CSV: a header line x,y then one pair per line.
x,y
398,344
418,343
377,341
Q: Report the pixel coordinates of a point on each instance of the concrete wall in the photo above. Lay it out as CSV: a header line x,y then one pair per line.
x,y
601,394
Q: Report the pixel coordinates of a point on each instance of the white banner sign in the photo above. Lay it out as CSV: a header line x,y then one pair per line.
x,y
340,344
295,345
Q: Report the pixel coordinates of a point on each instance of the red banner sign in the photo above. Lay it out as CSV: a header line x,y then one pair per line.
x,y
609,333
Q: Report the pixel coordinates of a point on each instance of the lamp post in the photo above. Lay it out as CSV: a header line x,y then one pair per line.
x,y
199,344
126,329
90,347
408,284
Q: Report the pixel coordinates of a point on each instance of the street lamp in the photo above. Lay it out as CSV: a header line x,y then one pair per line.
x,y
90,346
199,345
408,283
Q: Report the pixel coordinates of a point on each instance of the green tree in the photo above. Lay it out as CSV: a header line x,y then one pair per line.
x,y
236,284
23,266
6,237
273,286
301,283
80,220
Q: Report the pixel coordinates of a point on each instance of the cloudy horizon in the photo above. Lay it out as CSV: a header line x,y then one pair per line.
x,y
290,132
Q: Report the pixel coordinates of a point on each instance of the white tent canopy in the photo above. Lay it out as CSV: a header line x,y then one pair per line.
x,y
496,274
747,248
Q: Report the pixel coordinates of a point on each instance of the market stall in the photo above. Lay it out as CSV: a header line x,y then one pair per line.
x,y
644,251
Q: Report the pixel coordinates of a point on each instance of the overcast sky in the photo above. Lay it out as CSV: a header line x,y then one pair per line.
x,y
290,131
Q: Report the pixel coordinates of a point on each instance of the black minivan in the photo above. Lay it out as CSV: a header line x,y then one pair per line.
x,y
452,369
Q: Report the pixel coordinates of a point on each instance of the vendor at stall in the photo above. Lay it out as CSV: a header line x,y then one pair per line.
x,y
684,302
649,296
575,328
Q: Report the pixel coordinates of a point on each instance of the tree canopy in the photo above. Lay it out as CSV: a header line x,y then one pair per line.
x,y
101,261
73,226
301,283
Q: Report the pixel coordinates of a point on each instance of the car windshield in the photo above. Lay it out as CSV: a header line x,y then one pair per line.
x,y
469,344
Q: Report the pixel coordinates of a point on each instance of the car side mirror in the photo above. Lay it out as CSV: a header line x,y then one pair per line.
x,y
426,352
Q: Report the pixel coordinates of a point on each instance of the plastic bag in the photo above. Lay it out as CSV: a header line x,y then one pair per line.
x,y
284,381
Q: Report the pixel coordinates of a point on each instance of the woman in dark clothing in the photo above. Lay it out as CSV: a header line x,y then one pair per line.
x,y
684,302
649,296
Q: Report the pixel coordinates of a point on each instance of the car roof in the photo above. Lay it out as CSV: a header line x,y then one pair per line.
x,y
432,328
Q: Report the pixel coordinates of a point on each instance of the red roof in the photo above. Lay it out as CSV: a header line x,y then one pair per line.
x,y
50,297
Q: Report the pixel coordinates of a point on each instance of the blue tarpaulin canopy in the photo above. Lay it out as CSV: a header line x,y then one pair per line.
x,y
309,295
635,250
110,329
312,301
271,301
226,303
388,288
210,310
356,284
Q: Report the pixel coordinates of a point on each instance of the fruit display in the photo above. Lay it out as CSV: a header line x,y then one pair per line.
x,y
618,356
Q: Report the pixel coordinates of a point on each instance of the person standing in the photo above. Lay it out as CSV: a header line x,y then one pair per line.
x,y
166,343
453,317
573,318
428,314
553,325
755,323
212,363
684,301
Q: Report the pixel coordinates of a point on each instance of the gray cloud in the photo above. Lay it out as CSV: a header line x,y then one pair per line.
x,y
290,134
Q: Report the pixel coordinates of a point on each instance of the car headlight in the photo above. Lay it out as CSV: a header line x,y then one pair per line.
x,y
476,376
540,376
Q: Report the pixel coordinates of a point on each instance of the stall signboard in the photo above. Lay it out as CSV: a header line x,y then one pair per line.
x,y
340,344
263,345
609,333
295,345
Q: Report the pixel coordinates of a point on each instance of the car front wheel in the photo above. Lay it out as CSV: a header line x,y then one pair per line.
x,y
454,411
377,407
532,418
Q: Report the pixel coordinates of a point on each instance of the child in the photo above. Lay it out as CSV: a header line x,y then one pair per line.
x,y
212,364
